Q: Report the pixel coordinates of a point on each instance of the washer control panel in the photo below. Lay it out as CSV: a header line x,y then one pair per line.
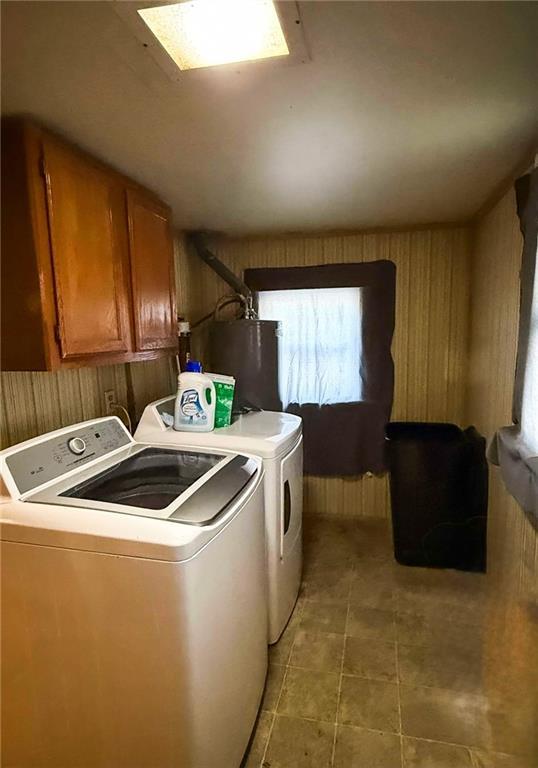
x,y
50,459
77,445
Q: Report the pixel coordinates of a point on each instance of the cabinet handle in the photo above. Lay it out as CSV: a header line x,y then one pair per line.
x,y
287,506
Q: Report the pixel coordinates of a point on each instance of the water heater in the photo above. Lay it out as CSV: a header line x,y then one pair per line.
x,y
248,350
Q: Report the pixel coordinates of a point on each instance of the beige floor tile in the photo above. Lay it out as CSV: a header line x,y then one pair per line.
x,y
330,543
433,754
296,743
332,549
273,685
370,594
279,653
477,583
324,617
375,660
370,624
408,575
372,556
259,740
449,716
360,748
318,650
442,581
417,629
465,661
309,693
513,724
320,527
463,609
374,572
438,666
374,537
369,704
331,585
328,554
498,760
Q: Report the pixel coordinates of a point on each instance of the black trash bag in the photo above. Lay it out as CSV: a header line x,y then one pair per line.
x,y
439,491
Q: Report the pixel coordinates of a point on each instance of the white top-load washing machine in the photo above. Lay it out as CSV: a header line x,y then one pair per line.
x,y
134,621
277,439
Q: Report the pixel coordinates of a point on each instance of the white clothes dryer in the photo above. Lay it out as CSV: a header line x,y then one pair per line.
x,y
276,438
134,621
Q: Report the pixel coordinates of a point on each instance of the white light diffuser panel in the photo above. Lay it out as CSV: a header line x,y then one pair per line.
x,y
206,33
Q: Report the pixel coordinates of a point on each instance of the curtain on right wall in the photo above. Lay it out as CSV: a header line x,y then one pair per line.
x,y
515,447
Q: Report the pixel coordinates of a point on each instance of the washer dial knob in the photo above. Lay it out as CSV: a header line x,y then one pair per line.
x,y
76,445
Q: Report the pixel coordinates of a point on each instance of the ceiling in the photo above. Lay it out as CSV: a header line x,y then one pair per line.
x,y
406,113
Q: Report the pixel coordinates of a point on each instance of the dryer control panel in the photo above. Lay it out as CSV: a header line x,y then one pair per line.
x,y
51,458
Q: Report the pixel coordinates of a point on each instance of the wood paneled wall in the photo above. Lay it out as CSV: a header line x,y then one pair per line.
x,y
497,245
33,403
431,334
496,261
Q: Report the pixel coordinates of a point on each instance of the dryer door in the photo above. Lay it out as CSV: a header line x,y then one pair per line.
x,y
291,498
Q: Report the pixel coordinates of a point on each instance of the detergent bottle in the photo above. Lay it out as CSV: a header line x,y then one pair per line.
x,y
195,401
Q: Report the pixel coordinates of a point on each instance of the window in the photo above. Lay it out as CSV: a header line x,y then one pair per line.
x,y
320,345
335,364
529,411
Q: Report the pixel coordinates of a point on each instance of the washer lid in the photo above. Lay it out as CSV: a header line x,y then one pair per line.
x,y
161,483
267,434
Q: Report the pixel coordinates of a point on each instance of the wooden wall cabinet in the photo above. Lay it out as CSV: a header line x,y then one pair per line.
x,y
87,259
152,270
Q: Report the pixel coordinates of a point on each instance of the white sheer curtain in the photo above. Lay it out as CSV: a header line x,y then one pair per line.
x,y
529,411
320,345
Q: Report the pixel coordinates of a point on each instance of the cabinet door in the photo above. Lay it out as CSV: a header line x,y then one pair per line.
x,y
152,272
86,221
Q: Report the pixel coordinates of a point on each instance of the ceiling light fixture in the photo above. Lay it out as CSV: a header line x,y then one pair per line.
x,y
207,33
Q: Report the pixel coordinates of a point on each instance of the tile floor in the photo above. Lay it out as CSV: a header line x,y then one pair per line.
x,y
383,666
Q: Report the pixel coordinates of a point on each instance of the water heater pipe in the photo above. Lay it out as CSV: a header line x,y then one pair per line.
x,y
198,241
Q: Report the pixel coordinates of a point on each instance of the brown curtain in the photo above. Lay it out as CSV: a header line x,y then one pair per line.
x,y
347,438
527,209
518,462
